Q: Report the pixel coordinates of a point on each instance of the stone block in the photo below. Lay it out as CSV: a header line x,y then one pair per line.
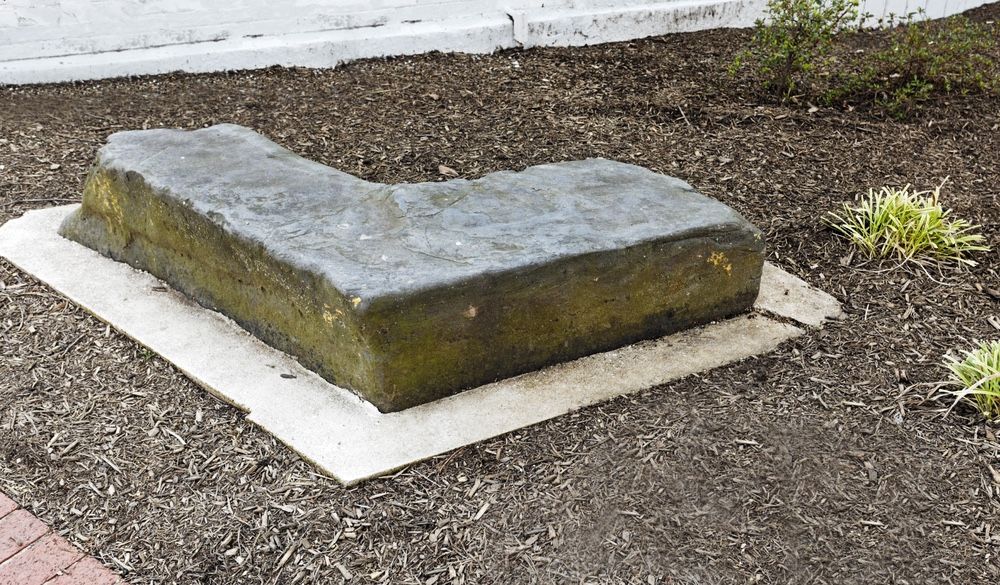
x,y
412,292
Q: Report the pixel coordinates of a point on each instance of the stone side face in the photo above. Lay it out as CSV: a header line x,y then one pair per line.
x,y
495,327
287,306
410,293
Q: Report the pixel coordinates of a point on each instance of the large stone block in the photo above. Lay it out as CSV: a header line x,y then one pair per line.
x,y
408,293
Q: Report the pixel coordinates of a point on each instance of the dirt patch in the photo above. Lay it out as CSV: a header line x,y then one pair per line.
x,y
800,466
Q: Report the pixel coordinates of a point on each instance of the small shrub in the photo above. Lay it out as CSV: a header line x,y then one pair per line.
x,y
800,49
794,41
911,226
927,58
978,372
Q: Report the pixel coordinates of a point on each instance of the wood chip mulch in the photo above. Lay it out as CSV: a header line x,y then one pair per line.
x,y
813,464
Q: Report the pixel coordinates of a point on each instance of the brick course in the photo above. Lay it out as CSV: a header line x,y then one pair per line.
x,y
18,530
31,554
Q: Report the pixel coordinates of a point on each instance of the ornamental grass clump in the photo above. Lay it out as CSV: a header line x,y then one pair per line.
x,y
978,372
908,225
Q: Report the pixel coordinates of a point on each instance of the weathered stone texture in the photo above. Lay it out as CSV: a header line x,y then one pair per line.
x,y
408,293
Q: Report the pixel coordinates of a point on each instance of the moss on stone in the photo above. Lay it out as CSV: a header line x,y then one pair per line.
x,y
406,345
288,308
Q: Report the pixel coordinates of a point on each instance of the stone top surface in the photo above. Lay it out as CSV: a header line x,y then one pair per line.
x,y
373,240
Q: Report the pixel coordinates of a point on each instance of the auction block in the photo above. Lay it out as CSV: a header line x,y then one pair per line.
x,y
412,292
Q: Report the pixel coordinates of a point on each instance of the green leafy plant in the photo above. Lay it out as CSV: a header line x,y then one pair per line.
x,y
800,50
926,58
909,225
978,372
793,41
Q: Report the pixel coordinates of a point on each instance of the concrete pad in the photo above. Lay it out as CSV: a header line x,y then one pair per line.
x,y
330,426
787,297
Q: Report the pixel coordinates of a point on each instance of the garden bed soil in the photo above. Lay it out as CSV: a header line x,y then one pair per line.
x,y
819,462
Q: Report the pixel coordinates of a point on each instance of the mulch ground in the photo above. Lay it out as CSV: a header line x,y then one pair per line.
x,y
808,465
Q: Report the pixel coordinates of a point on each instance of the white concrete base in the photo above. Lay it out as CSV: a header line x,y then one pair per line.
x,y
311,49
64,40
341,433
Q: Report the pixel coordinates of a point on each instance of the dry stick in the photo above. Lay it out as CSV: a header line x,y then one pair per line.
x,y
681,110
67,347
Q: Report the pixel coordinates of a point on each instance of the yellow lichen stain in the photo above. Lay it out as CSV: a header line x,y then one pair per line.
x,y
719,260
356,301
471,312
331,317
104,197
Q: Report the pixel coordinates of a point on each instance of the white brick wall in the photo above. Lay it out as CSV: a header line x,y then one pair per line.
x,y
57,40
46,28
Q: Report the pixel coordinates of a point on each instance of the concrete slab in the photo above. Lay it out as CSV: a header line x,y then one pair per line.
x,y
330,426
785,296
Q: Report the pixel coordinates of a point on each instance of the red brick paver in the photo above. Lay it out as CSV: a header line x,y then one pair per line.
x,y
7,505
86,571
17,530
31,554
38,563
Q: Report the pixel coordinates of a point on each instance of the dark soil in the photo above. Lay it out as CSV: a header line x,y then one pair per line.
x,y
810,464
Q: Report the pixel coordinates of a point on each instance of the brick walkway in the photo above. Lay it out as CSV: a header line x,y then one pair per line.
x,y
31,554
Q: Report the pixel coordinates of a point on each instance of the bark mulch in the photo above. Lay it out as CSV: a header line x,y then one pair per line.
x,y
808,465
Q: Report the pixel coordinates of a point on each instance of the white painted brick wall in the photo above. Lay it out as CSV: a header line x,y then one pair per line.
x,y
48,28
57,40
